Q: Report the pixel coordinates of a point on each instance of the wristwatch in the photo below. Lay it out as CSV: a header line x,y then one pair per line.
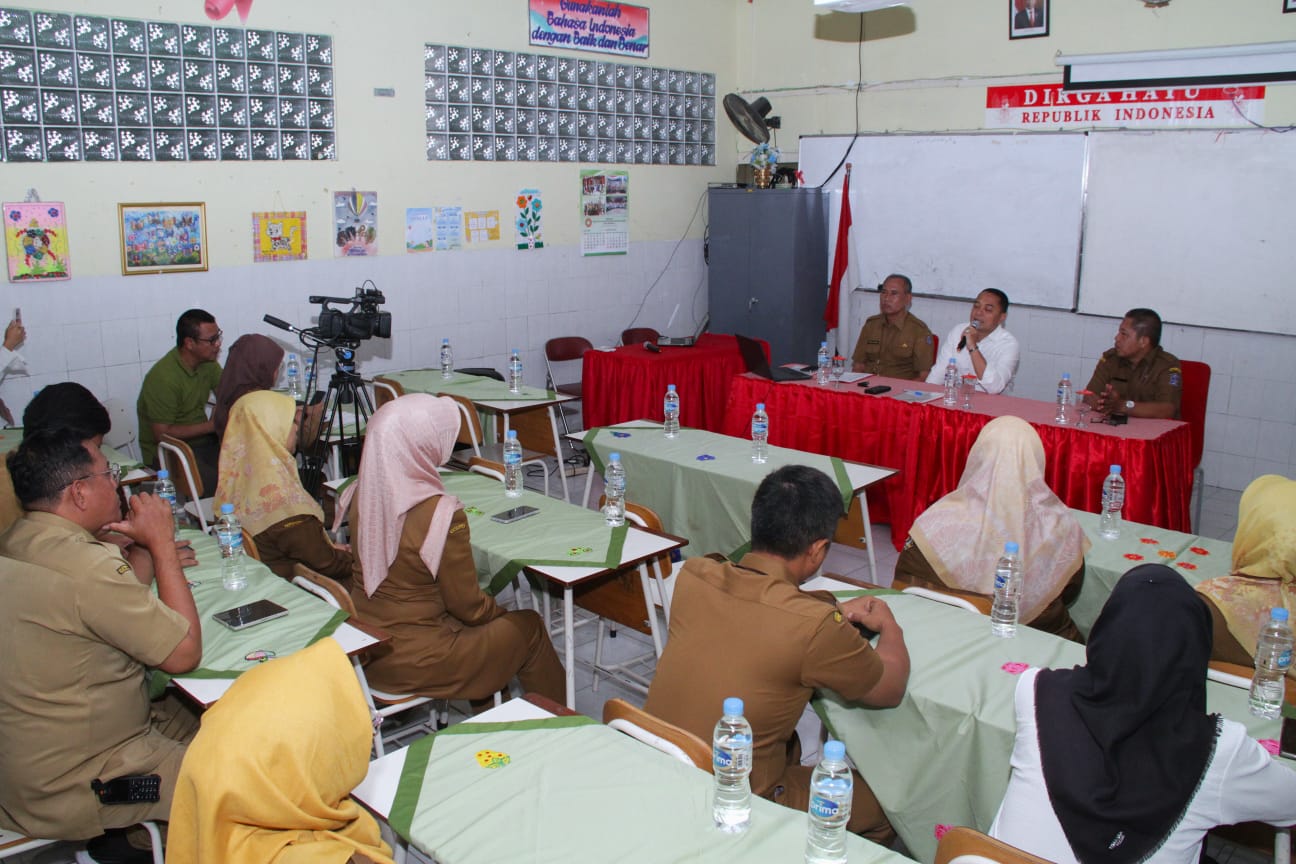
x,y
1129,404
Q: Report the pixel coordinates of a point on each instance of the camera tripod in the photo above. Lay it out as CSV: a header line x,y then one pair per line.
x,y
345,396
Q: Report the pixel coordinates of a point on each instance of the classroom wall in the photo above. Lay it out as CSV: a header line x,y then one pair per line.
x,y
925,69
106,330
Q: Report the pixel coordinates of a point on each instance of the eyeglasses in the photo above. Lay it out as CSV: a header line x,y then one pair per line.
x,y
113,471
211,341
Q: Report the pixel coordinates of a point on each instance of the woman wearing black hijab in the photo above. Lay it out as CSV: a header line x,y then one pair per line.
x,y
1117,761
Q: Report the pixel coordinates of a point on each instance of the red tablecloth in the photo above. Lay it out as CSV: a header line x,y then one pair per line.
x,y
928,444
630,382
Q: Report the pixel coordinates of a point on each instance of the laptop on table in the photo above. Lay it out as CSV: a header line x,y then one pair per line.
x,y
754,358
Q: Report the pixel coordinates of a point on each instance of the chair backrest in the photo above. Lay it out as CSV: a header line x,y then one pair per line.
x,y
179,460
122,435
470,431
323,587
1192,403
249,546
562,350
637,335
657,733
646,517
1238,676
979,605
385,390
967,845
486,468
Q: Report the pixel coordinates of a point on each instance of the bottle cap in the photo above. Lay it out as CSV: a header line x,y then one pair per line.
x,y
614,457
1115,469
1011,548
227,508
1066,376
760,406
512,433
1278,613
163,474
834,750
670,388
733,705
445,341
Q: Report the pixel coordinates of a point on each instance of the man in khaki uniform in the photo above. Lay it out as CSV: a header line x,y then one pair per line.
x,y
1137,378
78,626
747,630
894,343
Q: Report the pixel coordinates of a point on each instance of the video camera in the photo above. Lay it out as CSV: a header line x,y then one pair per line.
x,y
361,321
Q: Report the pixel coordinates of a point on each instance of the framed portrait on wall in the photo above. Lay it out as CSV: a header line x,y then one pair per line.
x,y
162,237
1030,18
1289,6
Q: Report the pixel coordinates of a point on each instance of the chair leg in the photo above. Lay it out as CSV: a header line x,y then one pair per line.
x,y
155,841
1282,846
598,655
1199,477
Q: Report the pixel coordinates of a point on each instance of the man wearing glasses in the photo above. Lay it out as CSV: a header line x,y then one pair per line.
x,y
173,398
78,628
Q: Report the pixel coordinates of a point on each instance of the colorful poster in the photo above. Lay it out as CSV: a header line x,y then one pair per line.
x,y
605,212
449,228
482,226
590,25
279,236
1048,106
420,229
527,224
36,241
355,216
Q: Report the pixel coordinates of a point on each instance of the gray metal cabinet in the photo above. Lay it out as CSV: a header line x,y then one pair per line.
x,y
768,275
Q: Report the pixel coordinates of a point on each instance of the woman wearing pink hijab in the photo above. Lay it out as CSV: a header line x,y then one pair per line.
x,y
415,575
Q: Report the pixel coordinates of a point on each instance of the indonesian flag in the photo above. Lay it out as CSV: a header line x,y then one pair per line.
x,y
841,256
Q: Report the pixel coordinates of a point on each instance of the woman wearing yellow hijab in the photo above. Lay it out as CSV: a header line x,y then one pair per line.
x,y
1264,569
258,475
252,790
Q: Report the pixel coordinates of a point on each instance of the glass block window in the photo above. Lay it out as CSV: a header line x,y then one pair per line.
x,y
481,104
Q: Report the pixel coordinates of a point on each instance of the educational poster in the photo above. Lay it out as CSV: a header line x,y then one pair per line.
x,y
36,241
605,212
279,236
529,235
607,27
355,216
482,226
420,229
449,228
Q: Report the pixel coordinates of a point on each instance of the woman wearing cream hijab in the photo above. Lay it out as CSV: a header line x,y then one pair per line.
x,y
1264,569
267,777
1001,498
258,475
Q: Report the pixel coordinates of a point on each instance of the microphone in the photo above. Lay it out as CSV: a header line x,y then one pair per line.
x,y
976,325
652,346
278,322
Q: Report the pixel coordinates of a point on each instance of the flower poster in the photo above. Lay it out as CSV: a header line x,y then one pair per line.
x,y
279,236
527,224
36,241
420,229
355,217
482,226
605,212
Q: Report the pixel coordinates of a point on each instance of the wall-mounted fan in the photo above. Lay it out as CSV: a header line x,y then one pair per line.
x,y
751,118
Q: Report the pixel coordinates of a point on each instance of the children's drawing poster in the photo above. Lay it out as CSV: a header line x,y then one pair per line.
x,y
420,229
355,216
279,236
527,224
449,228
605,212
36,241
482,226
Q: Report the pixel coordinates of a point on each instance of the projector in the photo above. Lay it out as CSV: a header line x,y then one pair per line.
x,y
856,5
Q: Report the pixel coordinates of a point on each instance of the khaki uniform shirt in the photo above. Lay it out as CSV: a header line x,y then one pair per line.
x,y
906,351
746,630
1156,378
77,630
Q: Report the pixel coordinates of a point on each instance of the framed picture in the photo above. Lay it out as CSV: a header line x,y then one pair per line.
x,y
1030,18
162,238
279,236
1289,5
36,241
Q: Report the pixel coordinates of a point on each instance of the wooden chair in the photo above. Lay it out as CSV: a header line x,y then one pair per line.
x,y
657,733
250,547
639,335
122,436
470,433
385,390
179,460
962,845
13,843
972,603
1239,676
1192,410
565,349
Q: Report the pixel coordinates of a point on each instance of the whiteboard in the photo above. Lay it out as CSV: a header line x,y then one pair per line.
x,y
1192,224
962,213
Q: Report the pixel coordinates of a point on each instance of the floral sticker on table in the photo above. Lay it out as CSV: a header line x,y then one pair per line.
x,y
529,233
259,656
1133,556
941,830
576,551
1150,541
1270,746
1166,553
706,457
620,434
1187,565
1015,668
492,759
1198,550
473,511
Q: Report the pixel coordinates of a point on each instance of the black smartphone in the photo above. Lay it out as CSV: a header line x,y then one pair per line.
x,y
241,617
514,515
1287,740
877,389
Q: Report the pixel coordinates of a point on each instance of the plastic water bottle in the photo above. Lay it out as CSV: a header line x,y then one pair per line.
x,y
614,491
1064,399
229,534
1113,501
515,372
1272,660
670,410
731,759
512,465
447,360
760,434
821,373
952,384
166,490
292,372
831,786
1007,593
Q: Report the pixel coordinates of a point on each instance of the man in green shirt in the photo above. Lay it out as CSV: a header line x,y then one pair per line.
x,y
173,399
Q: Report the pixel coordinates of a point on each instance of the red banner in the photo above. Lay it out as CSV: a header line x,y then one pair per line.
x,y
1048,106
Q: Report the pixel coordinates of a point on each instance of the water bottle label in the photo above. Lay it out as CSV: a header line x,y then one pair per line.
x,y
722,759
667,407
823,808
1001,581
236,541
1284,659
512,459
760,428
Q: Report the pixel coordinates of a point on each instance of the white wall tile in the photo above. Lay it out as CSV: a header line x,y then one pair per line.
x,y
1274,441
1240,436
1246,397
1235,472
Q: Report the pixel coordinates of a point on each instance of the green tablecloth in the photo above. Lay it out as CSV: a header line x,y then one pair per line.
x,y
574,790
701,483
474,387
228,653
942,756
561,534
1195,558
